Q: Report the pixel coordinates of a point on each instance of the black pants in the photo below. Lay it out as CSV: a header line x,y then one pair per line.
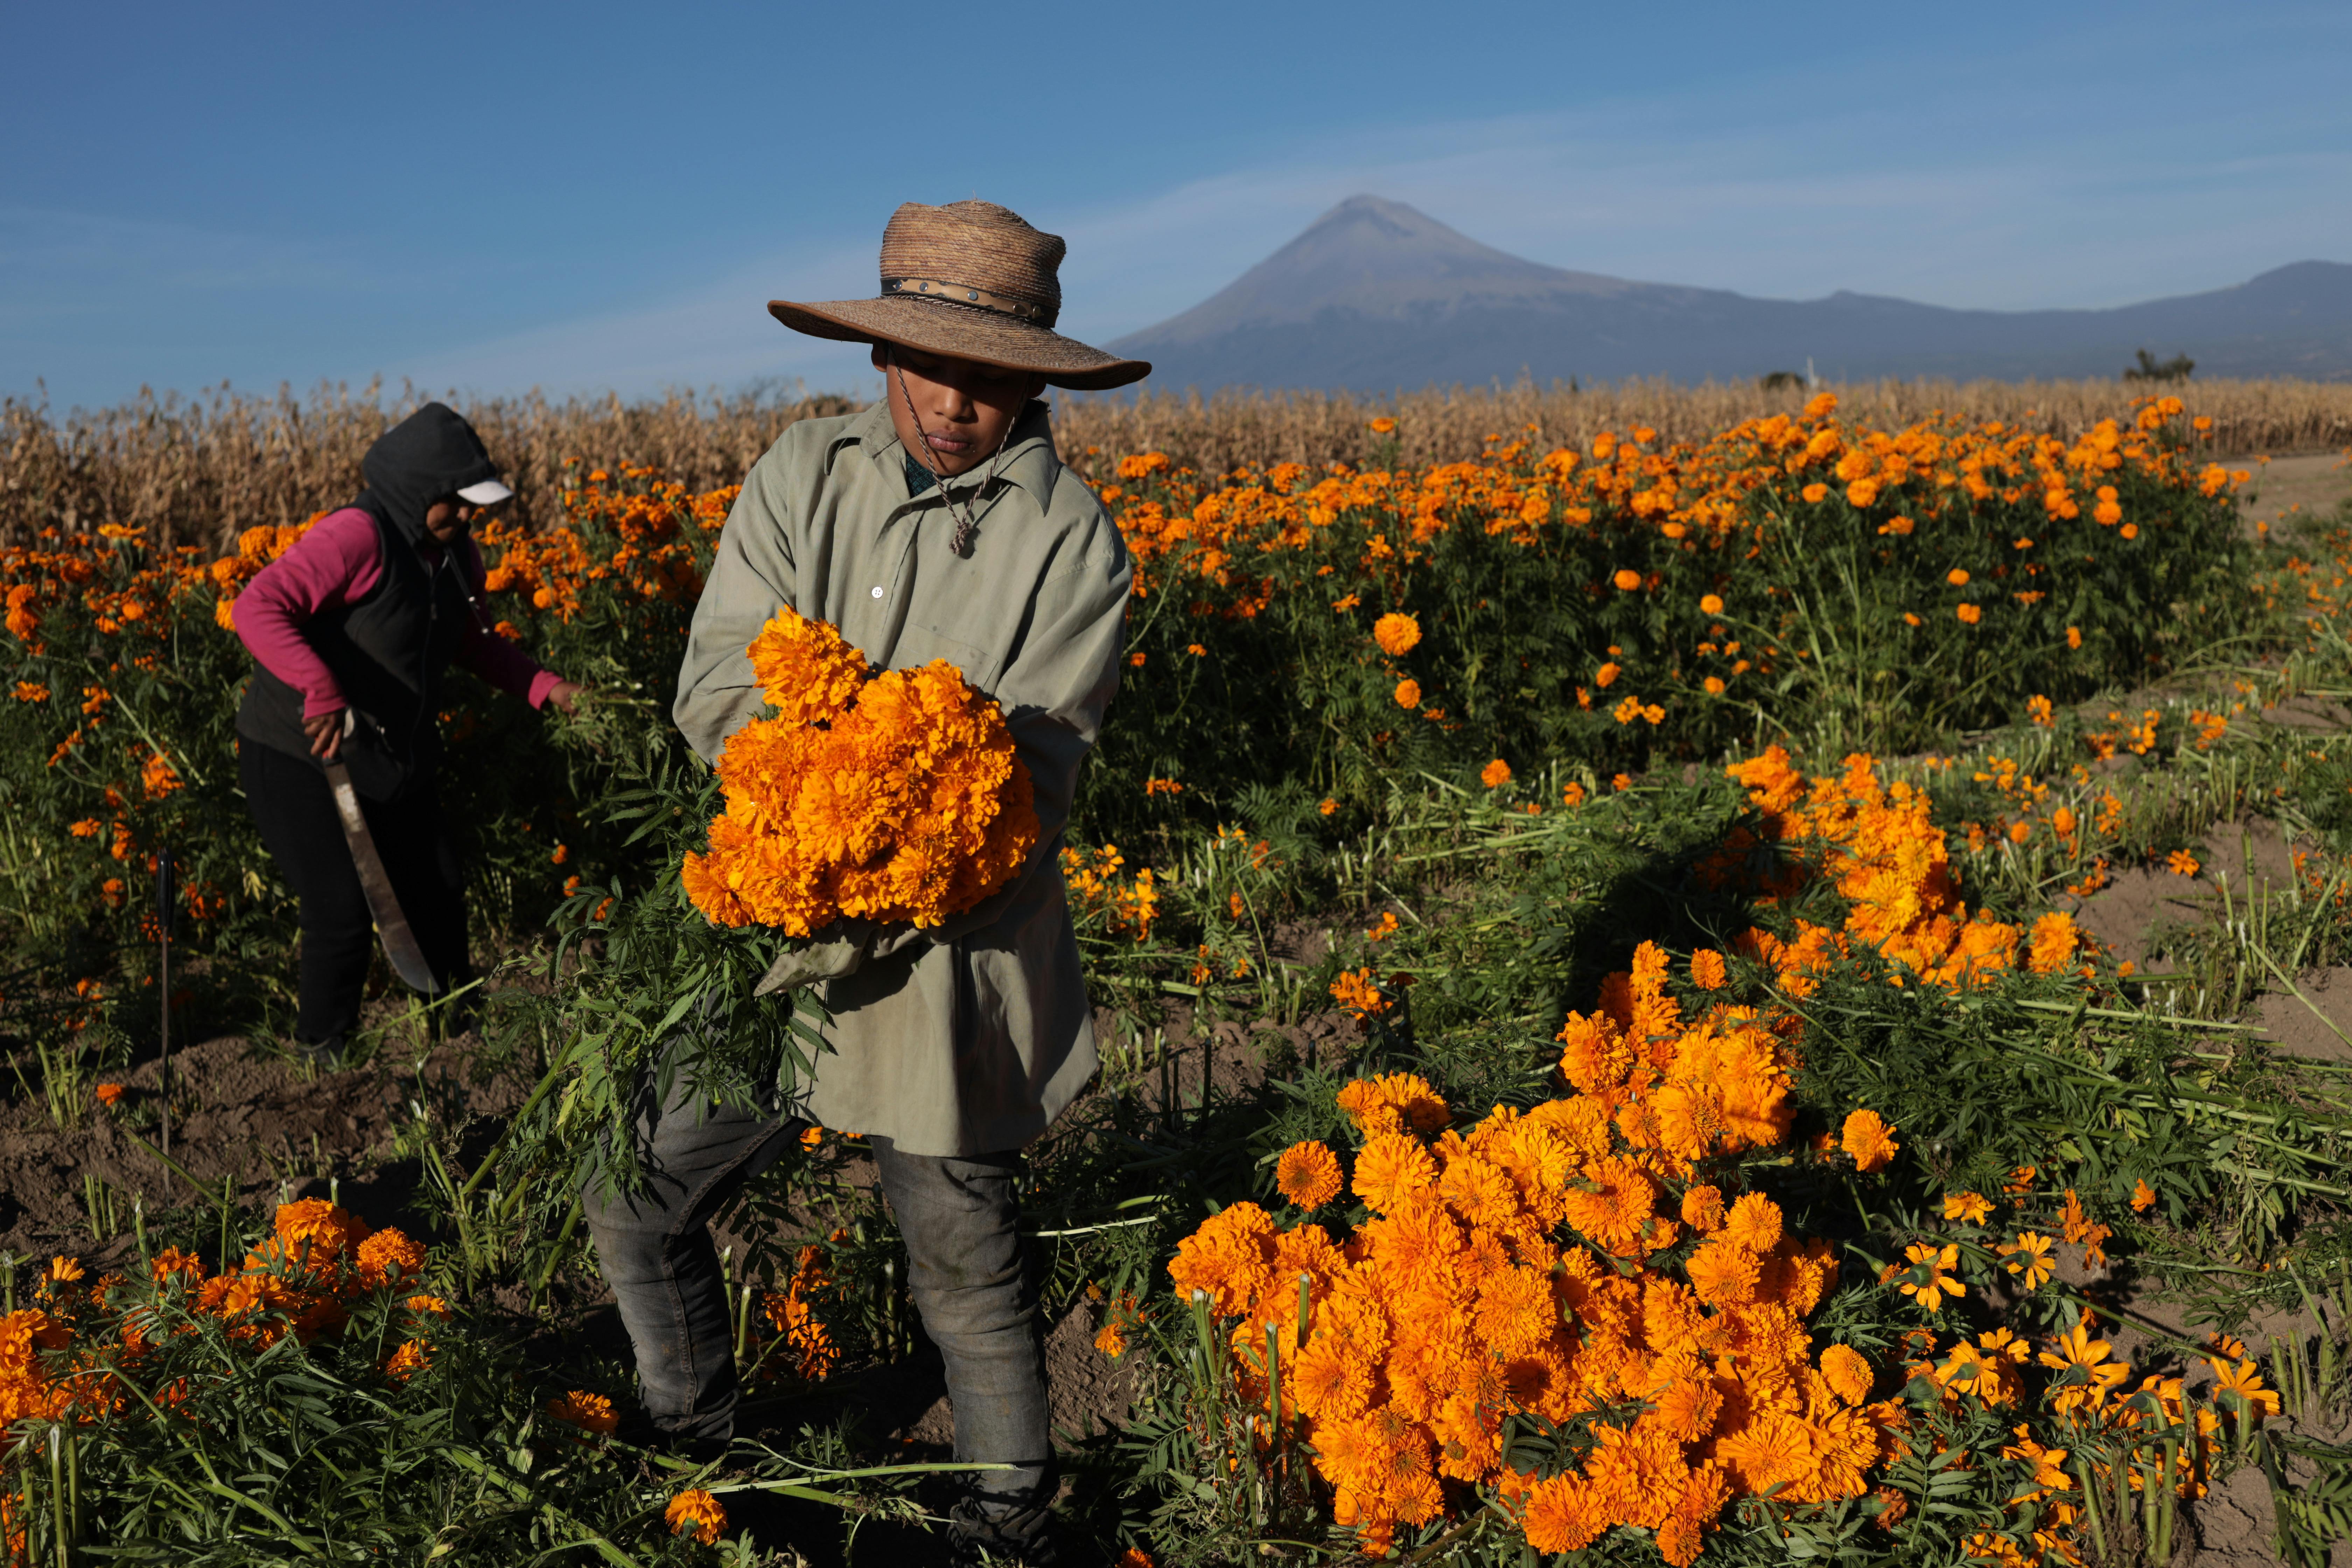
x,y
295,812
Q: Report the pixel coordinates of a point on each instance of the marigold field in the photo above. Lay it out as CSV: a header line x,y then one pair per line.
x,y
1718,990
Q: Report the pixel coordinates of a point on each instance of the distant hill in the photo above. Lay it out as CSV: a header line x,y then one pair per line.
x,y
1376,295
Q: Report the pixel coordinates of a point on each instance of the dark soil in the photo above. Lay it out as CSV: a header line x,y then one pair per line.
x,y
274,1127
2250,857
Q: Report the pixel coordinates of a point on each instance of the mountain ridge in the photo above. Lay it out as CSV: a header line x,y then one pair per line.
x,y
1375,295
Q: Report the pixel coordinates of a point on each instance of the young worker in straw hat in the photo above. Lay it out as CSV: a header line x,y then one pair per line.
x,y
938,524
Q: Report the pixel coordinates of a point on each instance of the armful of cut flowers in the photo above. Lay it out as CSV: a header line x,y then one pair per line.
x,y
866,809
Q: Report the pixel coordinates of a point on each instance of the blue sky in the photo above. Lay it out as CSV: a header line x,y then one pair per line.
x,y
487,198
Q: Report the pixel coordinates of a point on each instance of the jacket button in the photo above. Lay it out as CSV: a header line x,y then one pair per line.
x,y
877,590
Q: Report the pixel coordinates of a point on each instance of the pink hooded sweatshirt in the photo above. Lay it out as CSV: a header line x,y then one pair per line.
x,y
339,563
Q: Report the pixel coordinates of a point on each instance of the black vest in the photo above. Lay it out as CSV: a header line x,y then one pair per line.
x,y
387,652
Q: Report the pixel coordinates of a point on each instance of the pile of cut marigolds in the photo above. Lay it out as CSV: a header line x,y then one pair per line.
x,y
1599,1261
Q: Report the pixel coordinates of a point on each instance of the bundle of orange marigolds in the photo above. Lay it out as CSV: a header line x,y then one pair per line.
x,y
1543,1261
891,797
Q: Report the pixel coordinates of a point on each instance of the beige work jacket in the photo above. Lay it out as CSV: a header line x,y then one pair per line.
x,y
966,1039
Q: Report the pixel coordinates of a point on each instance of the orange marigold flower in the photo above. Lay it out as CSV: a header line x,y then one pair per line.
x,y
1613,1203
1969,615
694,1512
1710,604
1407,693
2074,636
1707,969
1869,1139
108,1094
1396,634
1969,1208
1701,1208
413,1357
2183,863
1391,1169
590,1412
1356,991
1393,1103
1308,1175
157,778
807,671
315,1234
2056,939
173,1261
1957,577
1495,775
388,1255
1754,1223
2143,1196
1848,1373
1627,579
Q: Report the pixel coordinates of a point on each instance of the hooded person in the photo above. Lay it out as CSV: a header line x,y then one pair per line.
x,y
352,631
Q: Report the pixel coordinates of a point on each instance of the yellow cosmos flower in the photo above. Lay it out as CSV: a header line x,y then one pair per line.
x,y
2029,1258
1928,1280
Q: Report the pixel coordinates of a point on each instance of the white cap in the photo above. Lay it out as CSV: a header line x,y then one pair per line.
x,y
489,492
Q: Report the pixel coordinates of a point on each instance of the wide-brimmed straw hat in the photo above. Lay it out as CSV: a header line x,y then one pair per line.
x,y
969,279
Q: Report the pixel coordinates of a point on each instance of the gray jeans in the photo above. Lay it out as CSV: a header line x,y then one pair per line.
x,y
965,1273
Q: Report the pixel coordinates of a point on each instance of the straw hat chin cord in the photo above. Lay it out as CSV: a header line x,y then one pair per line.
x,y
967,517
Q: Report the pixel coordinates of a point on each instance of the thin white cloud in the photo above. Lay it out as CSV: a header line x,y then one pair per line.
x,y
719,335
1725,206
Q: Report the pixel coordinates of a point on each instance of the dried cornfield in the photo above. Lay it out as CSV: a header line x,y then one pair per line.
x,y
1220,432
201,469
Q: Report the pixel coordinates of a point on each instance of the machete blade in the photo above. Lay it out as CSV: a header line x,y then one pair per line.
x,y
391,925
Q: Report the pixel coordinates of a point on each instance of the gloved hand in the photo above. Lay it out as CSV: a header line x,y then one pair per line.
x,y
826,955
838,950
